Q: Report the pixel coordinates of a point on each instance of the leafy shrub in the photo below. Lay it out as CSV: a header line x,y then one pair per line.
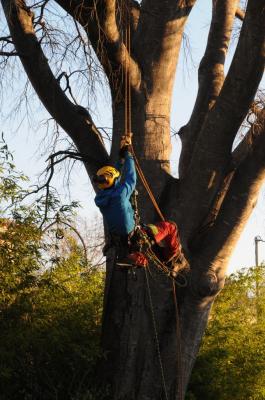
x,y
231,362
50,312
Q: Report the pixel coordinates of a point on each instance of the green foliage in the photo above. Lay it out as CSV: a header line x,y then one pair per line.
x,y
10,178
231,363
14,194
50,312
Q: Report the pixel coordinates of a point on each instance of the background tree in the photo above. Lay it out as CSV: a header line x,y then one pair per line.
x,y
232,356
50,307
217,186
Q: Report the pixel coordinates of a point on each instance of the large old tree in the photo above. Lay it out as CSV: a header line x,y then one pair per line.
x,y
218,183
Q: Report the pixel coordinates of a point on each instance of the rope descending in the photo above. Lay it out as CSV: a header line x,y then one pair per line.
x,y
128,108
150,254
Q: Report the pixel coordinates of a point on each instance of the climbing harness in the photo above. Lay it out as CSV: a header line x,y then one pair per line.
x,y
145,246
149,252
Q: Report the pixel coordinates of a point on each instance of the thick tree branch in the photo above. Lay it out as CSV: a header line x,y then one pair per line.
x,y
244,148
210,75
157,43
160,30
79,126
213,147
6,39
109,23
237,206
99,21
216,241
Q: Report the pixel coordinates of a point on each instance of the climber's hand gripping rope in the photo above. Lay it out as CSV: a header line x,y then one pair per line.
x,y
125,144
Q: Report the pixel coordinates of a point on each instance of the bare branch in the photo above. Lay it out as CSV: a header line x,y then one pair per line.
x,y
7,47
64,154
109,23
99,21
79,127
8,53
68,87
6,39
42,6
240,14
246,144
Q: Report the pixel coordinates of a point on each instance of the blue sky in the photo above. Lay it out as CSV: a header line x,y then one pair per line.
x,y
29,142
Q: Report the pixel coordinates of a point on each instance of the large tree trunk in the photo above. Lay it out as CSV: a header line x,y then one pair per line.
x,y
141,323
141,334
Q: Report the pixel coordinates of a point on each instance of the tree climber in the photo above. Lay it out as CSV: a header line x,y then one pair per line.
x,y
113,200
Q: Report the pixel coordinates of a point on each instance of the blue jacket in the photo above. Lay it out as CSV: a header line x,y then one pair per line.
x,y
114,203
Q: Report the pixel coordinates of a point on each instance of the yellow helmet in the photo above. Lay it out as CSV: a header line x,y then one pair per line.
x,y
109,174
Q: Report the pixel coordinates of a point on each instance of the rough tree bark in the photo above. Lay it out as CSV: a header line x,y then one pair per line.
x,y
217,188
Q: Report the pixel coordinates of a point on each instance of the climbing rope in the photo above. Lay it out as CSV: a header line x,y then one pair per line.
x,y
126,73
178,334
164,268
128,107
146,185
156,335
150,253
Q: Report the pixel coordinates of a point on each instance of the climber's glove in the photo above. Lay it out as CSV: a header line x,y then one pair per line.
x,y
125,145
